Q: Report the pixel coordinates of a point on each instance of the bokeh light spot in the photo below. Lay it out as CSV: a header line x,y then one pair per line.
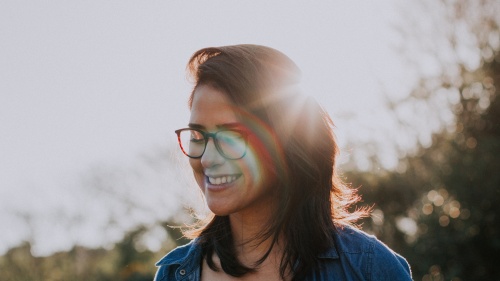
x,y
427,209
377,217
444,220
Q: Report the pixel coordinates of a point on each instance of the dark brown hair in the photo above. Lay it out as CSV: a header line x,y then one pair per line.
x,y
311,198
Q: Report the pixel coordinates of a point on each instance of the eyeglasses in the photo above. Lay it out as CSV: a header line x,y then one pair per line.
x,y
230,143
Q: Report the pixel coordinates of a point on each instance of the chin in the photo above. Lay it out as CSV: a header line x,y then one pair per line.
x,y
219,210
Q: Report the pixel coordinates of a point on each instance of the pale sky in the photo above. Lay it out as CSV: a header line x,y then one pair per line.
x,y
89,84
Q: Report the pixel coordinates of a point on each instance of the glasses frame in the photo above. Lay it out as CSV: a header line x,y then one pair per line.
x,y
207,136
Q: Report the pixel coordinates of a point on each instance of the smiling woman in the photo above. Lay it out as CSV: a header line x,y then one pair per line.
x,y
232,184
264,156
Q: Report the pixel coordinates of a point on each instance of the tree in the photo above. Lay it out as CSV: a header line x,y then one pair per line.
x,y
451,231
127,260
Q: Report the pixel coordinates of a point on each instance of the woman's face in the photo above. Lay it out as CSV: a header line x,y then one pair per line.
x,y
230,186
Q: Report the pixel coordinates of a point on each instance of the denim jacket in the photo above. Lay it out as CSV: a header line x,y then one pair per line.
x,y
355,256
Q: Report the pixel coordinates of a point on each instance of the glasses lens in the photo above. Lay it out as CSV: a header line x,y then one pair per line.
x,y
232,144
192,142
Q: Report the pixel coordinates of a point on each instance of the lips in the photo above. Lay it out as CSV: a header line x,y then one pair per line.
x,y
220,180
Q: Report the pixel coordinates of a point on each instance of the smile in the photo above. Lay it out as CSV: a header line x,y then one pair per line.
x,y
222,179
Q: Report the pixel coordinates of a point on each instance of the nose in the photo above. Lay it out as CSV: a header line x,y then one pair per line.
x,y
211,157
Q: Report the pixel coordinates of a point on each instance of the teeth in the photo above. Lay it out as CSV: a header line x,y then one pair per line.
x,y
221,180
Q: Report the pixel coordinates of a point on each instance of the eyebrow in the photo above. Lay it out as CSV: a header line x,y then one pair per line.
x,y
195,126
223,126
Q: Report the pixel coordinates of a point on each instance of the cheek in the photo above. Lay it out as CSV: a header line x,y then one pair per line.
x,y
252,168
197,169
195,163
264,161
258,162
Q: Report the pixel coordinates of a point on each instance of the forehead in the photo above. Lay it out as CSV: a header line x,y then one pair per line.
x,y
211,107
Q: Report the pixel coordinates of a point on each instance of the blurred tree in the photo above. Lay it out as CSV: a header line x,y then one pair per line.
x,y
18,264
126,261
441,207
459,233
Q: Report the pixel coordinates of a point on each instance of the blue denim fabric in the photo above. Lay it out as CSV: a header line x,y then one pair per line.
x,y
355,256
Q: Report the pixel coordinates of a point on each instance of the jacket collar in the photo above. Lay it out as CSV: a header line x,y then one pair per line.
x,y
187,257
190,254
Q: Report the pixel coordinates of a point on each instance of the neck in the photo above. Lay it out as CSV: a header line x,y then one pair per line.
x,y
250,243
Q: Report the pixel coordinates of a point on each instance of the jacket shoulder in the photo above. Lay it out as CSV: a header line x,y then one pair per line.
x,y
352,240
377,259
183,261
179,254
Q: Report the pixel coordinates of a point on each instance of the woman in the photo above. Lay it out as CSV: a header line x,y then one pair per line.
x,y
264,157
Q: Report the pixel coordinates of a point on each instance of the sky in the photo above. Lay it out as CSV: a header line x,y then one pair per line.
x,y
91,92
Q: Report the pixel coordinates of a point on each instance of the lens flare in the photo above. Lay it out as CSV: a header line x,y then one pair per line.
x,y
294,113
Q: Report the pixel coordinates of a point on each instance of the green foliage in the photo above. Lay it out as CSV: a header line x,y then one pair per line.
x,y
460,233
442,210
124,262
